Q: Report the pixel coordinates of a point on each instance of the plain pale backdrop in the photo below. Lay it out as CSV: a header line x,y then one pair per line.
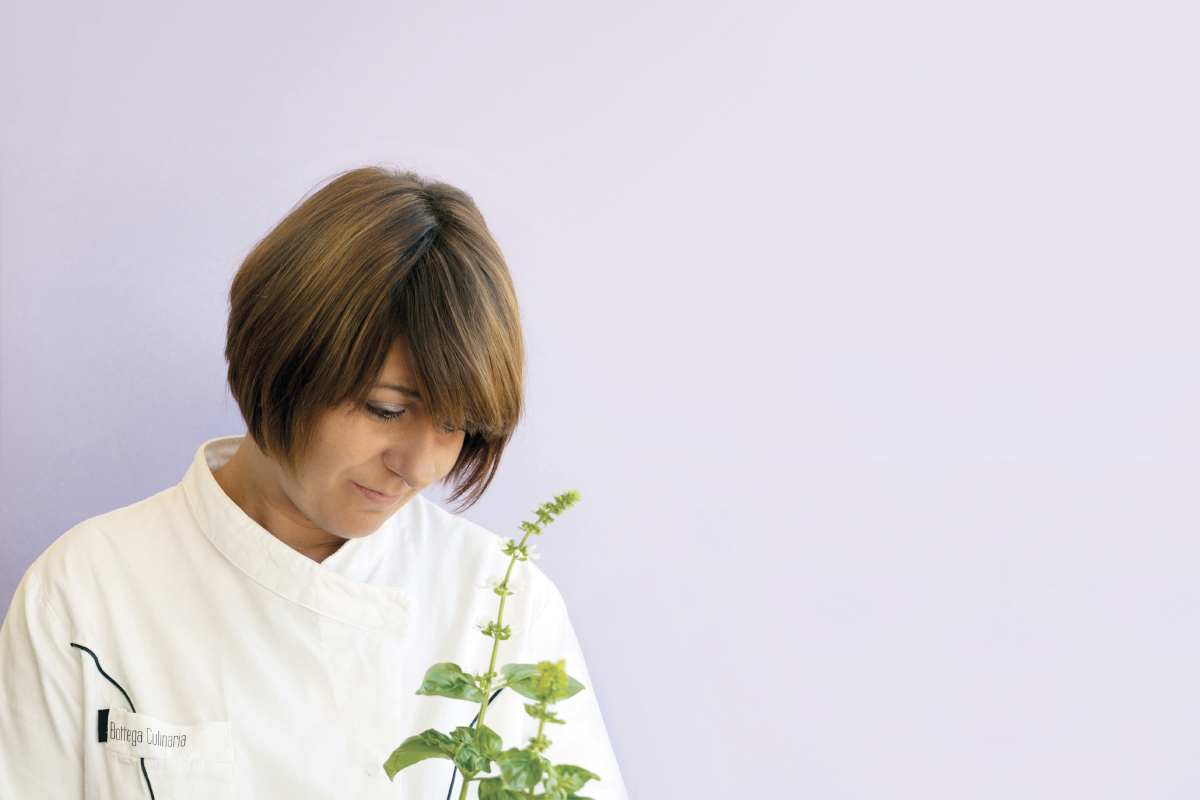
x,y
868,331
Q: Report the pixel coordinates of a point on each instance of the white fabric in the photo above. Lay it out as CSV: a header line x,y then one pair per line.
x,y
204,618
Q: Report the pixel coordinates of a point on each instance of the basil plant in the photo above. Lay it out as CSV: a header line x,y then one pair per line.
x,y
477,750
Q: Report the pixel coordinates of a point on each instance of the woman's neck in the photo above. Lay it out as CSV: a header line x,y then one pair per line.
x,y
258,484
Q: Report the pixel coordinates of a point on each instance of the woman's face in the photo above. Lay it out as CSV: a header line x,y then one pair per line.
x,y
372,456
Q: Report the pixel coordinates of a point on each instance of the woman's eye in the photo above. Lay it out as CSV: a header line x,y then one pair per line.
x,y
384,410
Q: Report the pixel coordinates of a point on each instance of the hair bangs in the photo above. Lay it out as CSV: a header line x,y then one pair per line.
x,y
464,354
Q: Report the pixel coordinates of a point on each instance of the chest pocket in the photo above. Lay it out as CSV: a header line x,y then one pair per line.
x,y
124,751
181,762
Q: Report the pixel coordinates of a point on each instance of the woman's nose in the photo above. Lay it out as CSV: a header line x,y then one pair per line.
x,y
413,456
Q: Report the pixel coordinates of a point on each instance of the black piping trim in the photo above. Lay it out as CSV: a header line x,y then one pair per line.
x,y
109,678
106,675
147,777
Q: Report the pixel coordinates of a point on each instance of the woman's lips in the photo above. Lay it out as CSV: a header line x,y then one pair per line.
x,y
376,498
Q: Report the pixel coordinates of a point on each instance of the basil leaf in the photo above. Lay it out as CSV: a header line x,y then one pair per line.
x,y
488,741
448,680
545,681
573,778
520,769
427,744
493,789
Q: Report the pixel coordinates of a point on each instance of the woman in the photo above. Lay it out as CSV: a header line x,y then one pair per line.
x,y
260,629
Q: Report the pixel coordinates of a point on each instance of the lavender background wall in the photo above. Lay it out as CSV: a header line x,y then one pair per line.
x,y
868,331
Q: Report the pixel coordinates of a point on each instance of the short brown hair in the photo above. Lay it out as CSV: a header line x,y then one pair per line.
x,y
372,256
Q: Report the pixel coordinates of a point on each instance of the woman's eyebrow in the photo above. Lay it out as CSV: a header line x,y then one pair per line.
x,y
395,387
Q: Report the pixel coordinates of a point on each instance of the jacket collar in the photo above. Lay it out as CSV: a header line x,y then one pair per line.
x,y
383,610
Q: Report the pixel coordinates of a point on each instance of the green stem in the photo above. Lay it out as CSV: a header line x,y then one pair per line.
x,y
487,689
541,723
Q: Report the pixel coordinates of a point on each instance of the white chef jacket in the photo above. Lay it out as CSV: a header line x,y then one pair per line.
x,y
257,672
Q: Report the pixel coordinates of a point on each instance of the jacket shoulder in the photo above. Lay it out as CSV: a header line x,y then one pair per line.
x,y
435,527
453,548
106,543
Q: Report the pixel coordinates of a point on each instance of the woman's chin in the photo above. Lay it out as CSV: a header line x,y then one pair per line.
x,y
364,522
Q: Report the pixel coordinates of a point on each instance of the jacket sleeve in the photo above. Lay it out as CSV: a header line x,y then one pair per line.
x,y
41,737
583,740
